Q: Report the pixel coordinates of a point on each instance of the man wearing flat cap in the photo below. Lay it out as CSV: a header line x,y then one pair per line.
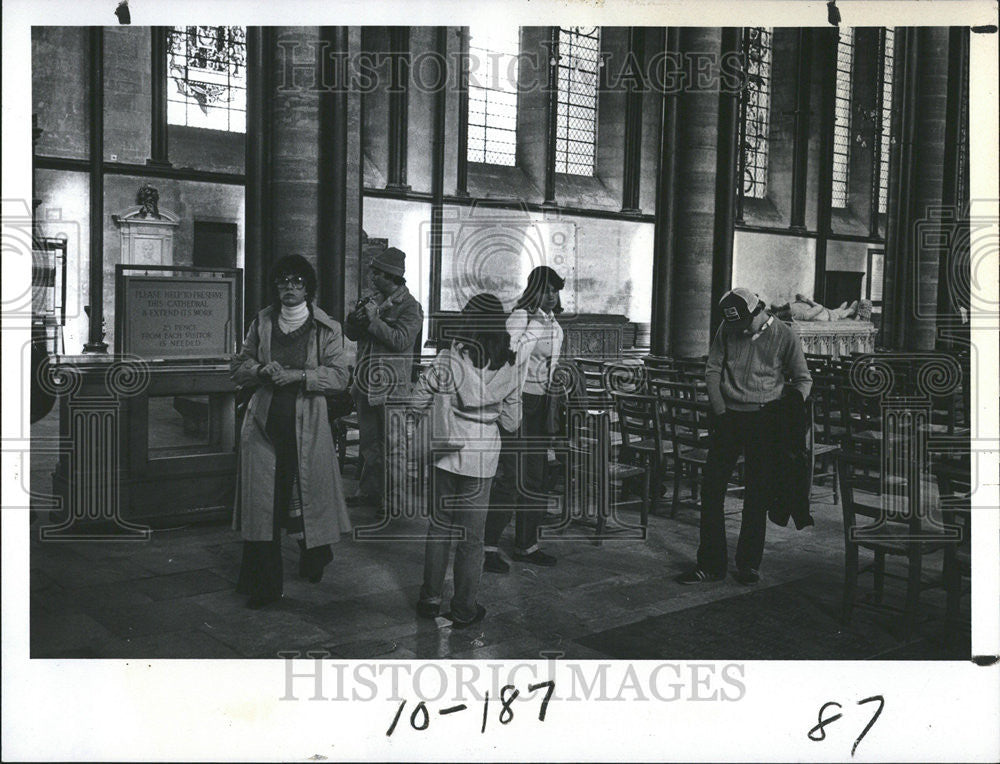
x,y
386,326
751,356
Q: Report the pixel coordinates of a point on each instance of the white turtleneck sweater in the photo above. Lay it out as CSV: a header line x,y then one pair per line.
x,y
292,318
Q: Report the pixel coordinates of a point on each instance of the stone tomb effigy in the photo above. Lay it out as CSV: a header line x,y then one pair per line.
x,y
835,338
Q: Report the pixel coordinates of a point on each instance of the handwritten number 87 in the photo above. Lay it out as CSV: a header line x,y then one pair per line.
x,y
818,733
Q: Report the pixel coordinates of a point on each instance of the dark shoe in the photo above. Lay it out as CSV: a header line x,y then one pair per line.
x,y
748,576
428,609
698,576
480,614
494,563
538,557
362,500
312,562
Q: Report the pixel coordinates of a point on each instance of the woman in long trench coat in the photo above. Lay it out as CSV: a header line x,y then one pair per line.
x,y
288,476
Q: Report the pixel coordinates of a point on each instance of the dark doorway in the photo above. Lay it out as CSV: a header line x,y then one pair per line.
x,y
214,244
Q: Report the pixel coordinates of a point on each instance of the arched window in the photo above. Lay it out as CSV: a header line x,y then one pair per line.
x,y
492,114
755,111
842,117
207,78
576,117
885,111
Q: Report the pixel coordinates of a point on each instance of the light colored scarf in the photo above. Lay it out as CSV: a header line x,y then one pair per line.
x,y
292,318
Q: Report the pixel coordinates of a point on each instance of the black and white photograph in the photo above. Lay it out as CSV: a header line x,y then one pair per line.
x,y
454,362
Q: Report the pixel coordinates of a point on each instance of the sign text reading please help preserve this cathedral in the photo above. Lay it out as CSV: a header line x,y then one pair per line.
x,y
178,318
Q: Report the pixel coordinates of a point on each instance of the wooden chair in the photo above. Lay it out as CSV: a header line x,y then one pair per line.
x,y
881,515
691,368
624,377
346,434
953,473
817,363
596,483
657,363
688,421
664,391
823,436
642,436
591,391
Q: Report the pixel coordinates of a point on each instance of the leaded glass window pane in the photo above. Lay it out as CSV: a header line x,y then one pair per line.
x,y
207,78
576,114
492,115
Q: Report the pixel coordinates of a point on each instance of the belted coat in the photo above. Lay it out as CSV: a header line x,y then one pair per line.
x,y
324,512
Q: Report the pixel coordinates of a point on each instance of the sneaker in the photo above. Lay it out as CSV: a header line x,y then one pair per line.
x,y
494,563
699,576
428,609
748,576
480,614
538,557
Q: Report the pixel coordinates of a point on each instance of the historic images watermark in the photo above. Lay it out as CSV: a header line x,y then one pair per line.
x,y
312,676
89,508
319,67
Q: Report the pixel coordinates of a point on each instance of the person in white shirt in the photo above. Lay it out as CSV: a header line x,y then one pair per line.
x,y
536,338
478,370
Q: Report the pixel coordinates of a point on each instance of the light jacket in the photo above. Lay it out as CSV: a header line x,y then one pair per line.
x,y
526,329
482,399
324,512
385,348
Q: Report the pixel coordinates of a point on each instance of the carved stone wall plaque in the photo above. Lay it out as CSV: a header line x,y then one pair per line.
x,y
147,235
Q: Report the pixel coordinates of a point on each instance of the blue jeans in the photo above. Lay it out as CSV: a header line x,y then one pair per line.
x,y
458,510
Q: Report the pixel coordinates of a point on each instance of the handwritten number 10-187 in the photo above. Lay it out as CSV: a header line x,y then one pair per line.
x,y
420,717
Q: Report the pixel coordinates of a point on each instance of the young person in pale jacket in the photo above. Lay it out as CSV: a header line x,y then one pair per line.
x,y
536,338
478,370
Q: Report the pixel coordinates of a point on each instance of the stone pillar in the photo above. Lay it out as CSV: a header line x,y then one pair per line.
x,y
916,218
697,237
295,155
311,158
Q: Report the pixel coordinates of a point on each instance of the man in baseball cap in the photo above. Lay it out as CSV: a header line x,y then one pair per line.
x,y
750,358
387,327
740,307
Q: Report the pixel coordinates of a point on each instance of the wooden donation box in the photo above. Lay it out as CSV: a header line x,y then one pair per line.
x,y
150,432
836,338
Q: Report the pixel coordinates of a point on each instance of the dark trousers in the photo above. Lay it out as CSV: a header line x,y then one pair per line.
x,y
261,573
519,485
754,434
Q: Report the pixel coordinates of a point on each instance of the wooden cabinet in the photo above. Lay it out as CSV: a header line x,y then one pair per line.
x,y
143,445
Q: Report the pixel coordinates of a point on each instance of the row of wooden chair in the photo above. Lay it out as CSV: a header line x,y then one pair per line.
x,y
893,514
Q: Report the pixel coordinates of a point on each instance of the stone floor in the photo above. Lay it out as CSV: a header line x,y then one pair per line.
x,y
173,597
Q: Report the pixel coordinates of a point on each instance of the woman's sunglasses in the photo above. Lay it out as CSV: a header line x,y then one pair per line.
x,y
295,282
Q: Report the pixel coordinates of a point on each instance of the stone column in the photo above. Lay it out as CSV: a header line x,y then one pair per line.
x,y
699,234
311,159
916,217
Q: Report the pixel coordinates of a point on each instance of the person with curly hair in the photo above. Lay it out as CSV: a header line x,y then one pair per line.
x,y
287,477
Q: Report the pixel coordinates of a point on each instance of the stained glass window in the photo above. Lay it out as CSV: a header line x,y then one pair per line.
x,y
207,78
885,109
576,117
842,118
756,110
492,115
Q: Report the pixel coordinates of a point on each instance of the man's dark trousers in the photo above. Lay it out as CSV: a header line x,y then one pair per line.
x,y
754,434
